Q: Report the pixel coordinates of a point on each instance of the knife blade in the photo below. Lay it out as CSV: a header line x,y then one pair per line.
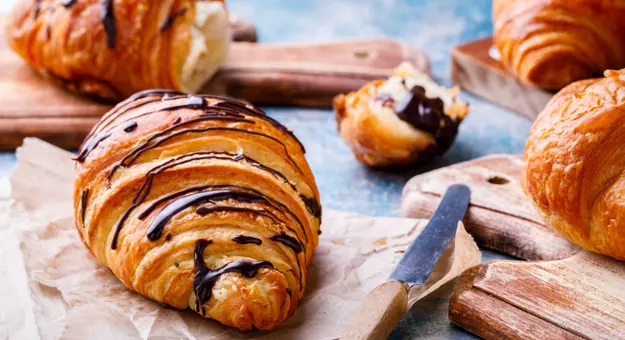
x,y
419,260
385,305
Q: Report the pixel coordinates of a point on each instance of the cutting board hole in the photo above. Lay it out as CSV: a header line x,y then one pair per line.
x,y
361,54
498,180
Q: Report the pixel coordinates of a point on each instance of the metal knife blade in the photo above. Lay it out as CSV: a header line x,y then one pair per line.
x,y
419,261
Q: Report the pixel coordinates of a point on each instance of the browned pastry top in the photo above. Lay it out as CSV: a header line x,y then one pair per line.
x,y
552,43
200,202
111,49
575,164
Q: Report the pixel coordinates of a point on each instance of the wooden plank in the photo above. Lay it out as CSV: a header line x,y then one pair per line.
x,y
473,68
494,230
500,217
491,318
583,294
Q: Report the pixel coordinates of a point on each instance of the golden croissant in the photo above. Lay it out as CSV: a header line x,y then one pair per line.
x,y
200,202
405,119
552,43
575,164
113,48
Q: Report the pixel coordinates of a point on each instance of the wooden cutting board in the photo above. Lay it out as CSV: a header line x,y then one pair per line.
x,y
572,294
305,74
475,68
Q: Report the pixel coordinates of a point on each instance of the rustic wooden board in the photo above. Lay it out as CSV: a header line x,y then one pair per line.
x,y
260,73
581,297
575,295
477,72
500,217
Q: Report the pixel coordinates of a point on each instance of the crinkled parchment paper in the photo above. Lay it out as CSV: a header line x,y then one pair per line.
x,y
52,288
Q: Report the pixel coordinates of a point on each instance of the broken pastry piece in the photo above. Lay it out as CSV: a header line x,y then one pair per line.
x,y
403,120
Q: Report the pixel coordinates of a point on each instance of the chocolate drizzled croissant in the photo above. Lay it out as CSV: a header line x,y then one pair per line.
x,y
200,202
111,49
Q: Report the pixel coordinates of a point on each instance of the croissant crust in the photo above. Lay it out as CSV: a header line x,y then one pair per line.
x,y
111,49
376,134
200,202
575,161
552,43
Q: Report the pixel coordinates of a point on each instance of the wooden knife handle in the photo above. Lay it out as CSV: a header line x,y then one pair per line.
x,y
379,313
308,74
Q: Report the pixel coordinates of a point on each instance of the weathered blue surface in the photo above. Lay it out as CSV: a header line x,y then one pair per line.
x,y
435,26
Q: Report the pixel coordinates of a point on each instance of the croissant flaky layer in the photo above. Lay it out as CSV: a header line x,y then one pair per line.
x,y
405,119
200,202
552,43
114,48
575,162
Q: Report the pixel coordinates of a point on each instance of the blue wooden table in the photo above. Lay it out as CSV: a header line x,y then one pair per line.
x,y
433,25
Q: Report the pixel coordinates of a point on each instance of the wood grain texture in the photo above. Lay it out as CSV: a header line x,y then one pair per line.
x,y
475,71
31,106
582,295
379,312
491,318
499,217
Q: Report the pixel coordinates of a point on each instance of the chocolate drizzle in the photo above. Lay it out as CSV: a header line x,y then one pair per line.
x,y
132,156
273,203
68,3
170,19
108,20
205,278
288,241
242,239
91,145
83,205
155,230
130,126
253,111
313,207
427,114
36,8
226,107
145,189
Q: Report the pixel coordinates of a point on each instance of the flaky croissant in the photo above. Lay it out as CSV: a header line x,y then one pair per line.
x,y
575,164
552,43
113,48
200,202
405,119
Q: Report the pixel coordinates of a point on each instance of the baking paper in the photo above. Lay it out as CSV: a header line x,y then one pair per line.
x,y
52,288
